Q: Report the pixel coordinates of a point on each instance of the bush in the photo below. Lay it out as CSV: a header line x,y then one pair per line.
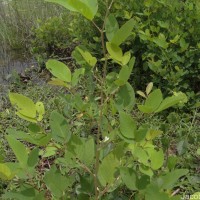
x,y
165,41
93,148
52,38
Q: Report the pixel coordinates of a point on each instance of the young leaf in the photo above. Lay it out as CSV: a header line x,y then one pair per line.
x,y
149,88
25,106
114,51
59,127
126,58
127,125
40,110
161,41
5,172
88,57
142,94
111,27
123,33
59,70
19,150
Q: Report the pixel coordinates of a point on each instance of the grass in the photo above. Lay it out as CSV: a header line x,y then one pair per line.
x,y
180,136
17,18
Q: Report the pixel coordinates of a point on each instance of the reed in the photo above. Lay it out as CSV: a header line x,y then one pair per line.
x,y
19,17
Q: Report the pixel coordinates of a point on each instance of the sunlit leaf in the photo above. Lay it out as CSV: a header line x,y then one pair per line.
x,y
88,8
88,57
59,70
24,105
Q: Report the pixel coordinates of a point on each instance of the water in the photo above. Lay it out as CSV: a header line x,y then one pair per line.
x,y
12,63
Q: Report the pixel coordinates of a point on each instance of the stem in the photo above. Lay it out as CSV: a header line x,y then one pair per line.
x,y
97,152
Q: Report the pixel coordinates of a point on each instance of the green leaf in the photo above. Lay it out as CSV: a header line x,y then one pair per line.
x,y
63,3
59,70
146,170
84,150
156,157
40,110
152,102
153,193
161,41
168,181
141,155
123,33
126,58
25,193
19,150
111,27
77,73
5,172
125,98
124,75
88,57
143,182
152,134
107,169
56,182
171,101
198,151
58,82
131,63
40,139
25,106
129,177
33,158
114,51
59,127
88,8
26,118
127,125
49,151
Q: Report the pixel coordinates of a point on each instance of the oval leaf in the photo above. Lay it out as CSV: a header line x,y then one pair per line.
x,y
24,105
127,125
59,70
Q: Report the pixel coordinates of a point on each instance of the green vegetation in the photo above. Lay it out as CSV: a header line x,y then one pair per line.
x,y
92,135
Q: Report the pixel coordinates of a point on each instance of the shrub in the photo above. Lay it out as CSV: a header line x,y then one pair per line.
x,y
52,38
165,41
94,149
